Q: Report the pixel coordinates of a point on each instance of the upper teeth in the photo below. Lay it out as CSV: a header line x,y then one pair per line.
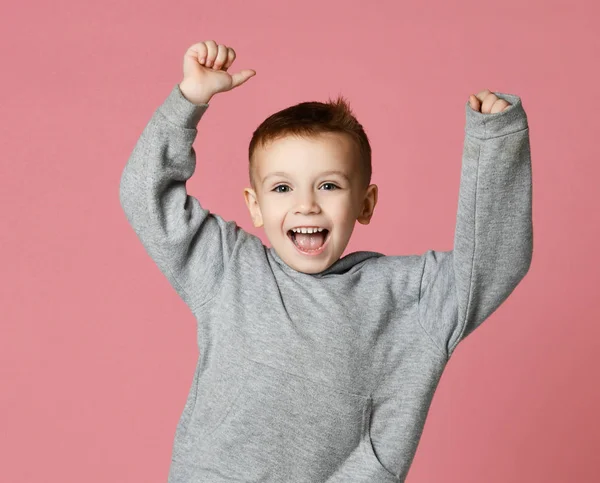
x,y
307,230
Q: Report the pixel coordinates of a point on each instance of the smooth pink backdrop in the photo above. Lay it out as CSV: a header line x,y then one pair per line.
x,y
97,351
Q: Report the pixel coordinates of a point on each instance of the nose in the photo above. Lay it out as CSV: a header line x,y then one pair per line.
x,y
306,202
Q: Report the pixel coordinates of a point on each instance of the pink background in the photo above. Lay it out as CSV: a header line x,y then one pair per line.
x,y
97,351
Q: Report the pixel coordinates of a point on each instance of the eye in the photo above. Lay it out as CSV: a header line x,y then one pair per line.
x,y
280,186
331,184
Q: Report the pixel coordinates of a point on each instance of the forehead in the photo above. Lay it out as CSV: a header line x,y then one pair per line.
x,y
297,155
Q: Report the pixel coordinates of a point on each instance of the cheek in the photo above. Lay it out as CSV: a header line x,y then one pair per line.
x,y
273,216
341,209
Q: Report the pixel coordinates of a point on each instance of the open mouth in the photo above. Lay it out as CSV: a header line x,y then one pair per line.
x,y
311,244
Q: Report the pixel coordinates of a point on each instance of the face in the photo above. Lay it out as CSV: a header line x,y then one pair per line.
x,y
309,182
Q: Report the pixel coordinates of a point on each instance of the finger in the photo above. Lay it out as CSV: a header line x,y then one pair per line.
x,y
198,51
240,77
474,102
221,57
230,58
500,105
481,95
211,47
484,99
488,102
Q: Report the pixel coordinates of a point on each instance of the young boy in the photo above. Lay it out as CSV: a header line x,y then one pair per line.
x,y
316,368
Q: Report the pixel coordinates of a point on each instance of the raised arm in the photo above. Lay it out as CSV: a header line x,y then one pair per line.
x,y
493,242
190,245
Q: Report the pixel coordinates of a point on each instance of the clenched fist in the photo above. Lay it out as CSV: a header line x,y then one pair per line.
x,y
205,73
487,102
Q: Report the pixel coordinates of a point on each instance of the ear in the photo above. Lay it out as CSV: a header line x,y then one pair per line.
x,y
253,207
368,206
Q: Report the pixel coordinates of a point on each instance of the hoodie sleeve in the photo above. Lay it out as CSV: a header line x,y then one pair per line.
x,y
493,241
190,245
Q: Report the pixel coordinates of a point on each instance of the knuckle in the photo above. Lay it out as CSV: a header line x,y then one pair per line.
x,y
197,46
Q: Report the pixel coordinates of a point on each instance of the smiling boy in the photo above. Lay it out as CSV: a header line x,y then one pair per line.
x,y
315,368
316,184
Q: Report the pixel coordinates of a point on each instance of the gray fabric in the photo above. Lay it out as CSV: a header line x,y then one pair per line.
x,y
323,377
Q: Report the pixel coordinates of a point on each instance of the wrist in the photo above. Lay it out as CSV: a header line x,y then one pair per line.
x,y
202,99
194,95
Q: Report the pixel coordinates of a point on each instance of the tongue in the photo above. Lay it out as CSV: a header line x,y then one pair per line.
x,y
310,241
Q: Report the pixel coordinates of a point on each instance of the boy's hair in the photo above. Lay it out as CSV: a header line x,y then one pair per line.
x,y
309,119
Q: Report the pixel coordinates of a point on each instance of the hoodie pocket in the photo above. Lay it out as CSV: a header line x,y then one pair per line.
x,y
280,426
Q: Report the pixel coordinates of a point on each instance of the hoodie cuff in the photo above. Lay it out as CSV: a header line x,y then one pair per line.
x,y
180,111
485,126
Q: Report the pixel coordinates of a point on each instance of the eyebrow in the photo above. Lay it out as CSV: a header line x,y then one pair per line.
x,y
333,171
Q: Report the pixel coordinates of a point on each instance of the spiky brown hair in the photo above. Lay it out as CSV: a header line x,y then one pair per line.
x,y
310,119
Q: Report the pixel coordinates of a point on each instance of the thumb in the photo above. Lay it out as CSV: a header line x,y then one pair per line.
x,y
474,102
240,77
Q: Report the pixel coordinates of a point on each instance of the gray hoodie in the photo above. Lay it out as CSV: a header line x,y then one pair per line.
x,y
323,377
